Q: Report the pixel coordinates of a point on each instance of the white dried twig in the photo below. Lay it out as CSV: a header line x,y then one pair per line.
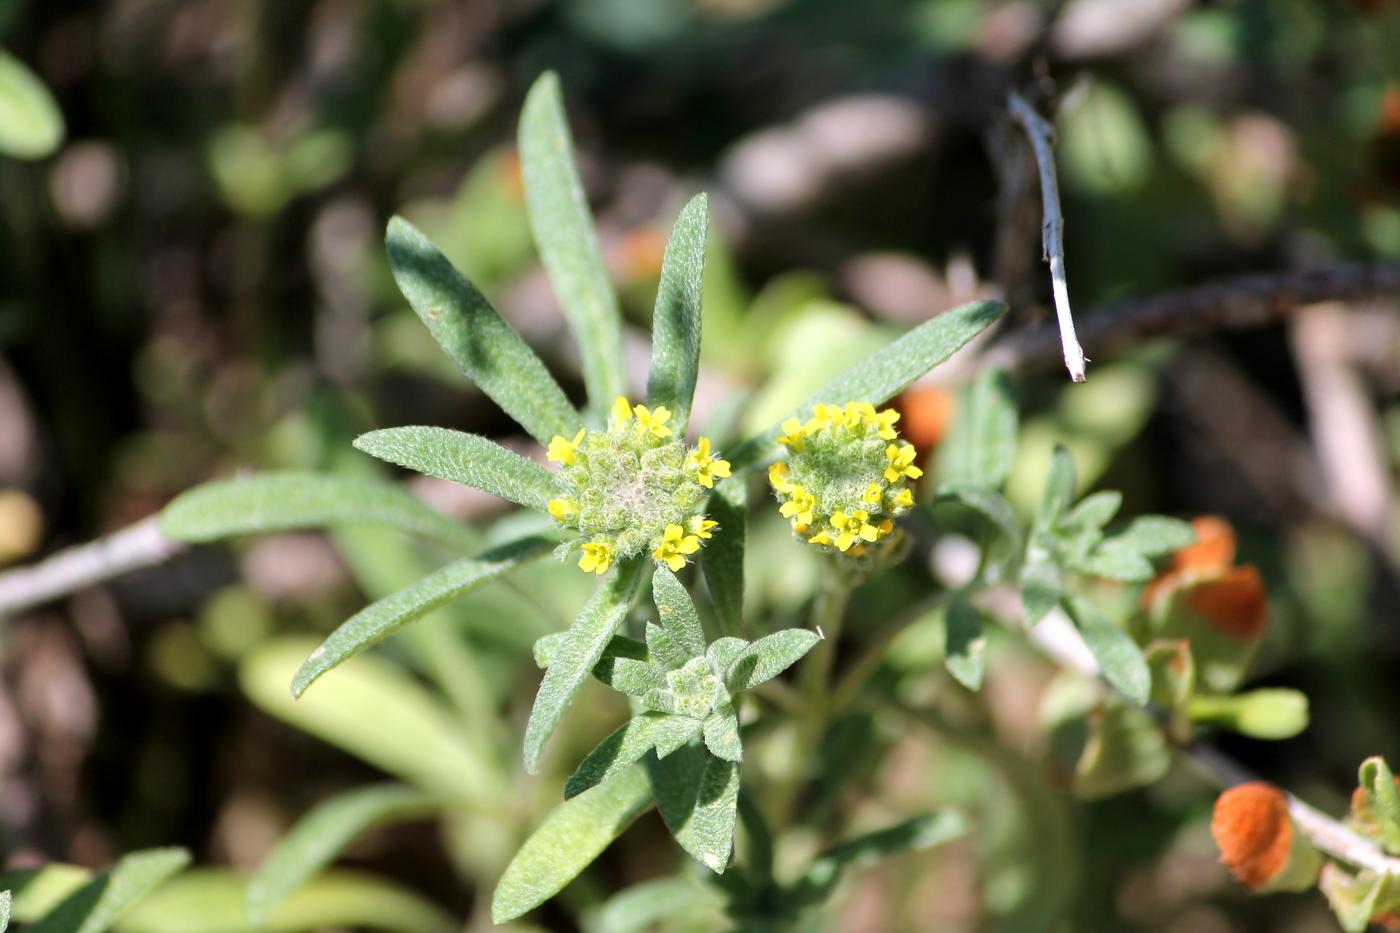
x,y
1041,136
136,546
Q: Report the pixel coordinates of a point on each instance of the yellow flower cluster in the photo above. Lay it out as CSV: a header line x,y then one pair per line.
x,y
844,481
634,487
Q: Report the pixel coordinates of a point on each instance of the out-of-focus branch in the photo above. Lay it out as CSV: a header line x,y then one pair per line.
x,y
1226,304
136,546
1041,135
1059,640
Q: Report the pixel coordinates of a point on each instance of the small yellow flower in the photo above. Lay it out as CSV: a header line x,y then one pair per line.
x,y
597,557
904,498
799,507
872,494
564,451
885,527
701,527
901,462
563,509
653,421
621,411
852,528
794,435
859,413
706,467
777,477
885,420
675,544
821,537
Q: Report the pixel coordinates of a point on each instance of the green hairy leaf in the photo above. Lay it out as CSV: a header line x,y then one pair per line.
x,y
621,647
629,742
576,657
722,733
677,612
664,649
569,839
723,556
1155,534
211,900
964,642
912,835
675,324
1117,563
698,796
1119,657
320,835
31,125
377,712
96,905
768,657
1381,792
382,618
886,372
981,444
5,898
476,338
463,458
290,501
568,245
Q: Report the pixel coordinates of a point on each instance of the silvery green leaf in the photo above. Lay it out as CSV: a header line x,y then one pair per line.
x,y
1119,657
576,657
476,338
665,649
625,745
634,678
570,838
886,372
768,657
1111,559
568,245
675,324
287,501
381,618
677,612
723,555
722,733
463,458
723,652
1155,534
698,797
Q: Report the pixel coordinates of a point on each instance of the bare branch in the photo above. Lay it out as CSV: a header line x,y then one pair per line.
x,y
1231,303
1060,641
136,546
1041,136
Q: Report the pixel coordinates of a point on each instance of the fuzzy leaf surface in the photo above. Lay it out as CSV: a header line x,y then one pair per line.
x,y
768,657
675,324
698,796
463,458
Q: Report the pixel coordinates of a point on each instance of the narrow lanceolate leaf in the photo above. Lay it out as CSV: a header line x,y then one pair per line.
x,y
625,745
4,911
964,643
322,834
675,324
887,371
912,835
1120,659
677,612
382,618
723,652
288,501
31,125
568,245
569,839
463,458
698,796
474,335
723,555
94,907
576,657
982,442
768,657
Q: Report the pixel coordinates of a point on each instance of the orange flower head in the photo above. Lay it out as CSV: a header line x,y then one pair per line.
x,y
927,412
1234,604
1252,828
1213,549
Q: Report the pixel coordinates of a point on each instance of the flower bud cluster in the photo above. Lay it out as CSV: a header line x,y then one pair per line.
x,y
634,487
844,479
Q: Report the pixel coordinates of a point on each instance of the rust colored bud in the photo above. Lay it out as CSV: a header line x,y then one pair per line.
x,y
927,412
1234,604
1255,835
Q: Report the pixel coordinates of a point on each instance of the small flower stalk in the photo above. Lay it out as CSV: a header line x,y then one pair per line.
x,y
634,488
845,479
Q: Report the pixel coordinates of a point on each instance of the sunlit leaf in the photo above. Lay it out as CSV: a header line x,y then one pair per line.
x,y
568,245
698,796
463,458
675,324
768,657
625,745
570,838
96,905
676,612
473,334
380,619
268,502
